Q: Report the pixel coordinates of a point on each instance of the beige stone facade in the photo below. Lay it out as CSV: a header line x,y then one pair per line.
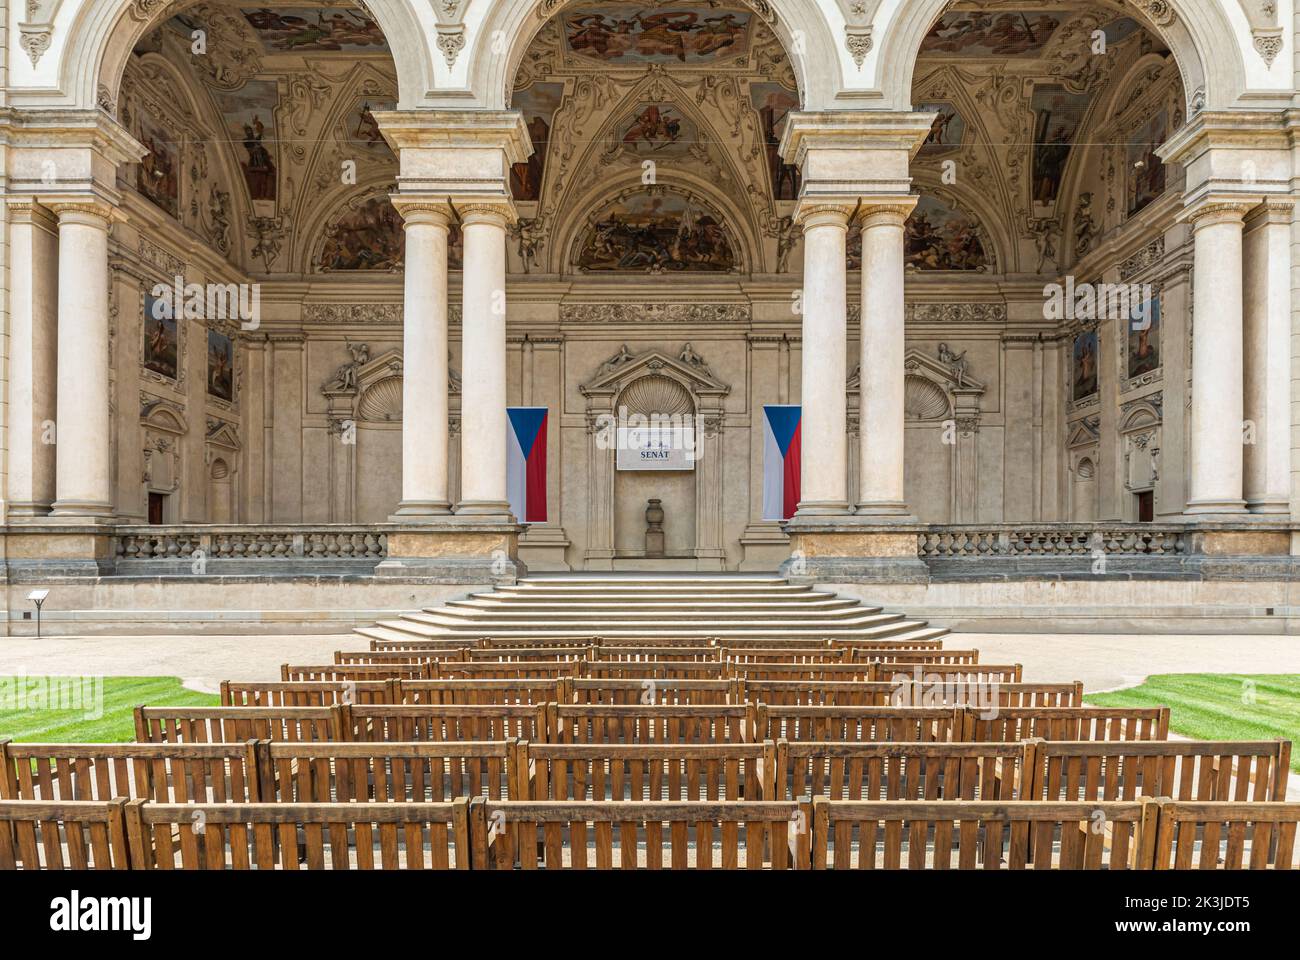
x,y
887,213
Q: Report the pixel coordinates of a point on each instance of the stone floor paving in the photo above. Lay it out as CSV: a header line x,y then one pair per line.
x,y
1101,661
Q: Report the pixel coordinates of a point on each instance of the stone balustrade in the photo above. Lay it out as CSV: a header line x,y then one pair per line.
x,y
1053,540
284,543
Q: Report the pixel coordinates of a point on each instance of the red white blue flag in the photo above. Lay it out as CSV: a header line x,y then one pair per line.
x,y
781,460
526,463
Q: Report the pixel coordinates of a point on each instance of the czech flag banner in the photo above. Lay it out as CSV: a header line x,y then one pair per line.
x,y
526,463
781,460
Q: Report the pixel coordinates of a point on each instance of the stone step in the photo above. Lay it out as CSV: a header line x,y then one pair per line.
x,y
668,585
761,599
910,632
590,620
901,630
875,625
652,607
599,611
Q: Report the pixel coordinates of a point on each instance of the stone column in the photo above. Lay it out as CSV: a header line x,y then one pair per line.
x,y
1267,374
33,333
424,360
83,486
483,361
824,449
1217,405
880,448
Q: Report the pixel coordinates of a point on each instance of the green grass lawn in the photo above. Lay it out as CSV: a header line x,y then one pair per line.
x,y
107,718
1217,706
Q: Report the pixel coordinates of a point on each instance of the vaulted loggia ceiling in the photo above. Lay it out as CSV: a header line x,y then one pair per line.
x,y
655,128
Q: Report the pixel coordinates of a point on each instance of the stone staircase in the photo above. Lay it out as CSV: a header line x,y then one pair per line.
x,y
649,606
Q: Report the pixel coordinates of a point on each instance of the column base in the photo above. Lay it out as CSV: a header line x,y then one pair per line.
x,y
885,510
28,508
823,508
1202,509
82,508
491,510
1271,507
413,510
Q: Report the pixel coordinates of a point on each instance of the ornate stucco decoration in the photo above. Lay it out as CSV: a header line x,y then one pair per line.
x,y
1160,12
353,313
950,313
1150,254
1268,44
613,377
35,39
156,256
451,40
654,313
858,42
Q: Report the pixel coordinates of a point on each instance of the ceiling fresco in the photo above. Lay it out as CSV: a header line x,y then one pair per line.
x,y
268,146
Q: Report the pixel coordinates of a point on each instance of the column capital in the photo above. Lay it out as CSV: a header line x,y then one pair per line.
x,y
825,211
886,211
1275,210
423,209
498,212
1217,209
29,210
89,210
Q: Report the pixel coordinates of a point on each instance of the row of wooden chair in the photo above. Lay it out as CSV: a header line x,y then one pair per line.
x,y
650,690
483,834
278,771
877,671
659,723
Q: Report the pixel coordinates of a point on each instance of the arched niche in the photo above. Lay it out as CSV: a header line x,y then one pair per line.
x,y
1083,450
628,382
163,429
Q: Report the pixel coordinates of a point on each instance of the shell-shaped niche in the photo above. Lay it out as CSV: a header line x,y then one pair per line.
x,y
923,399
656,394
1085,469
382,401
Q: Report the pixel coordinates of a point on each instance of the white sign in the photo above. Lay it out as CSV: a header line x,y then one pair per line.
x,y
655,447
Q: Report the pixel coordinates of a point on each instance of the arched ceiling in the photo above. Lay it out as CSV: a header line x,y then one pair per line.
x,y
655,130
279,136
